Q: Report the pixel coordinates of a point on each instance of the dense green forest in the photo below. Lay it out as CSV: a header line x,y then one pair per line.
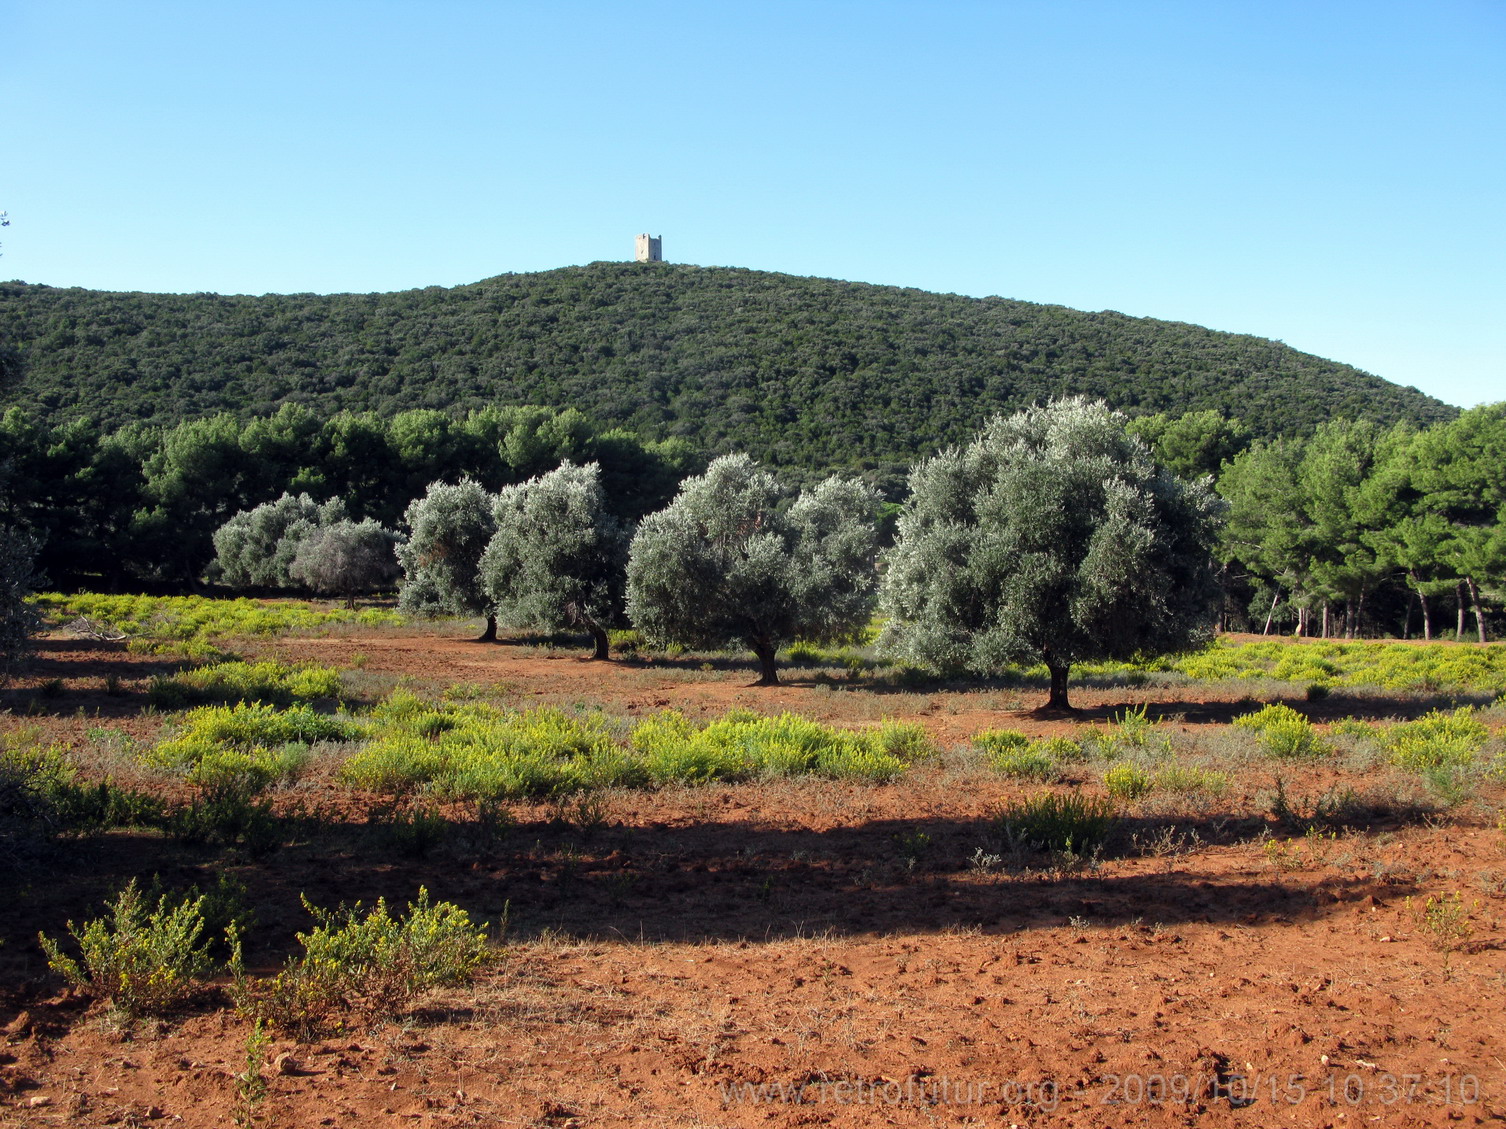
x,y
142,502
796,371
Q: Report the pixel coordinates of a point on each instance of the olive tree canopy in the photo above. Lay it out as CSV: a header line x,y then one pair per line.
x,y
256,547
727,562
347,558
558,556
448,530
1053,537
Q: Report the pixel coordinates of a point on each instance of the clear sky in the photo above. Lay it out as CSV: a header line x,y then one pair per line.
x,y
1332,174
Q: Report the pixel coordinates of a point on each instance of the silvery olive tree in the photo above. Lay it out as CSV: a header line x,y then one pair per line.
x,y
558,557
1053,537
347,558
256,547
448,530
729,562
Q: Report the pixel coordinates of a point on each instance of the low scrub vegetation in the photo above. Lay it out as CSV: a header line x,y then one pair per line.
x,y
1066,821
43,794
1333,663
235,681
1012,753
370,962
143,960
1283,733
1437,740
481,752
170,622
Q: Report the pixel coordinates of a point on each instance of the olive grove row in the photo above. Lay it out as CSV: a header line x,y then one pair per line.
x,y
1054,537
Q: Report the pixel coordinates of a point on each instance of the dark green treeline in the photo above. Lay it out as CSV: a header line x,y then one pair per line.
x,y
798,372
141,503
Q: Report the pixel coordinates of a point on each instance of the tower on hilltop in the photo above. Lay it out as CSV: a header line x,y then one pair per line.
x,y
650,248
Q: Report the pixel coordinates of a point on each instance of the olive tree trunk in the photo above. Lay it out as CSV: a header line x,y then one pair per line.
x,y
1059,671
768,669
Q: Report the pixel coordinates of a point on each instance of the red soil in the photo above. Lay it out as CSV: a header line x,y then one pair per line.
x,y
673,952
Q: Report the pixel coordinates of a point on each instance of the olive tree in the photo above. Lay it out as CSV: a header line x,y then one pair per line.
x,y
728,562
448,530
558,556
1053,537
256,547
347,558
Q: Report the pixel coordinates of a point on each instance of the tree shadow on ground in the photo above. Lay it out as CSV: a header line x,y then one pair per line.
x,y
731,880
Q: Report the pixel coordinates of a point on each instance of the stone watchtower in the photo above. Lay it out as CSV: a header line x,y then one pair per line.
x,y
650,249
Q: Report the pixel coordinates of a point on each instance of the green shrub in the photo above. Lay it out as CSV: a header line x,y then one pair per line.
x,y
1012,753
1283,732
993,742
1029,763
188,622
907,741
1062,748
413,831
479,752
374,962
1182,779
1436,740
1133,728
225,907
142,961
625,642
270,682
247,747
42,794
1127,781
1058,822
249,725
227,815
743,745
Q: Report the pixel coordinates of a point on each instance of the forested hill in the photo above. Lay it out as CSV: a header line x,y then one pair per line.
x,y
796,370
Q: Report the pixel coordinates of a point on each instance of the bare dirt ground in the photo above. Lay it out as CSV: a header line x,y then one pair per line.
x,y
805,952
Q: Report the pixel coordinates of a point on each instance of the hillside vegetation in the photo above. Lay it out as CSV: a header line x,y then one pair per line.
x,y
795,370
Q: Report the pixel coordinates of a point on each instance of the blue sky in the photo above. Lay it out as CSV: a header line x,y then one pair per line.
x,y
1329,174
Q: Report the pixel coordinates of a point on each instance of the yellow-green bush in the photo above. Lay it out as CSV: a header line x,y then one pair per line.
x,y
1009,751
274,682
475,750
996,741
1284,733
1411,666
741,746
1436,740
1127,781
1060,822
143,959
479,751
247,747
188,619
373,960
908,741
1183,778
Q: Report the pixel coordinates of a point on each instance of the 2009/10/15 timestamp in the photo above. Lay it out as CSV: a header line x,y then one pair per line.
x,y
1291,1089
